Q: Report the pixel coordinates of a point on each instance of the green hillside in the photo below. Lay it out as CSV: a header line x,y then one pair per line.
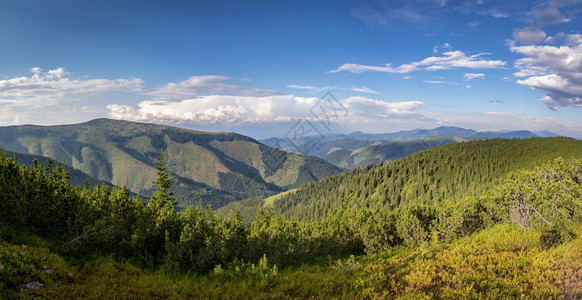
x,y
247,208
520,238
429,177
211,168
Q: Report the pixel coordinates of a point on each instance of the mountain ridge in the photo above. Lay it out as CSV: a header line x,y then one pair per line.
x,y
210,167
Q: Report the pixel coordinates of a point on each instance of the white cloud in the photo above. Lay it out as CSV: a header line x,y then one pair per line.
x,y
311,88
209,84
475,24
55,87
378,108
557,71
529,35
435,49
240,110
361,89
471,76
439,82
468,86
555,38
449,60
494,13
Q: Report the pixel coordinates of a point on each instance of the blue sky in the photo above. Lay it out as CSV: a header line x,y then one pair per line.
x,y
259,67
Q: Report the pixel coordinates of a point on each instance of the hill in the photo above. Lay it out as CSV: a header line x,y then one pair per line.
x,y
520,239
431,177
211,168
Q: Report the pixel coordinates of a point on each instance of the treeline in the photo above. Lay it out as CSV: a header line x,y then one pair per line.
x,y
84,221
429,177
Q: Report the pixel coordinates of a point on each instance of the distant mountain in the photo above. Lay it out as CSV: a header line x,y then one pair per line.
x,y
522,134
545,133
211,168
385,151
357,148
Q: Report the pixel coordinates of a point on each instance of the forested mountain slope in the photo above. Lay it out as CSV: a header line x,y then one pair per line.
x,y
212,168
519,239
445,173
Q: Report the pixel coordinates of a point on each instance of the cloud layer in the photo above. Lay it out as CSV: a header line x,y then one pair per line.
x,y
241,110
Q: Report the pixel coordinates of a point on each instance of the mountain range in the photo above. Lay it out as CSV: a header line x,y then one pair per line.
x,y
358,149
213,168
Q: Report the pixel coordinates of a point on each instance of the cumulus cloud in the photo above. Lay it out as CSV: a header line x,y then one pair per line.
x,y
471,76
45,88
208,84
529,35
557,71
241,110
378,108
449,60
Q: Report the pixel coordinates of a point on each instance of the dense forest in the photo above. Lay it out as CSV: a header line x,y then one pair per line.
x,y
430,177
507,224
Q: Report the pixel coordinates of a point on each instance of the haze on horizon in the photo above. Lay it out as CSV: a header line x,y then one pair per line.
x,y
258,68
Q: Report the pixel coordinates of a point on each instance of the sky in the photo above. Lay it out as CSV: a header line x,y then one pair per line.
x,y
264,68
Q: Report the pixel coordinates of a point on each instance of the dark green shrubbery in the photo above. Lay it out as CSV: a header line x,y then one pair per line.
x,y
83,221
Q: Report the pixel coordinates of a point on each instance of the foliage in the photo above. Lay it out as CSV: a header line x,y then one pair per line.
x,y
520,237
430,177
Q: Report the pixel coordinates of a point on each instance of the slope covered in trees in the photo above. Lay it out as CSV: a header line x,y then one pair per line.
x,y
430,177
519,237
212,168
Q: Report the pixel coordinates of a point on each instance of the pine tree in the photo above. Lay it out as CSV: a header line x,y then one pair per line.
x,y
162,197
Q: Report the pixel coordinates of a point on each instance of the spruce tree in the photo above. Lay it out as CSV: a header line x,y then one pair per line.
x,y
162,197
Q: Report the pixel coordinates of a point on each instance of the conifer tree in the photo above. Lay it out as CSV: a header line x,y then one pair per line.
x,y
162,197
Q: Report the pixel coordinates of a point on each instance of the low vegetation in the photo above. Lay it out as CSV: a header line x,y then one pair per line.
x,y
518,238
